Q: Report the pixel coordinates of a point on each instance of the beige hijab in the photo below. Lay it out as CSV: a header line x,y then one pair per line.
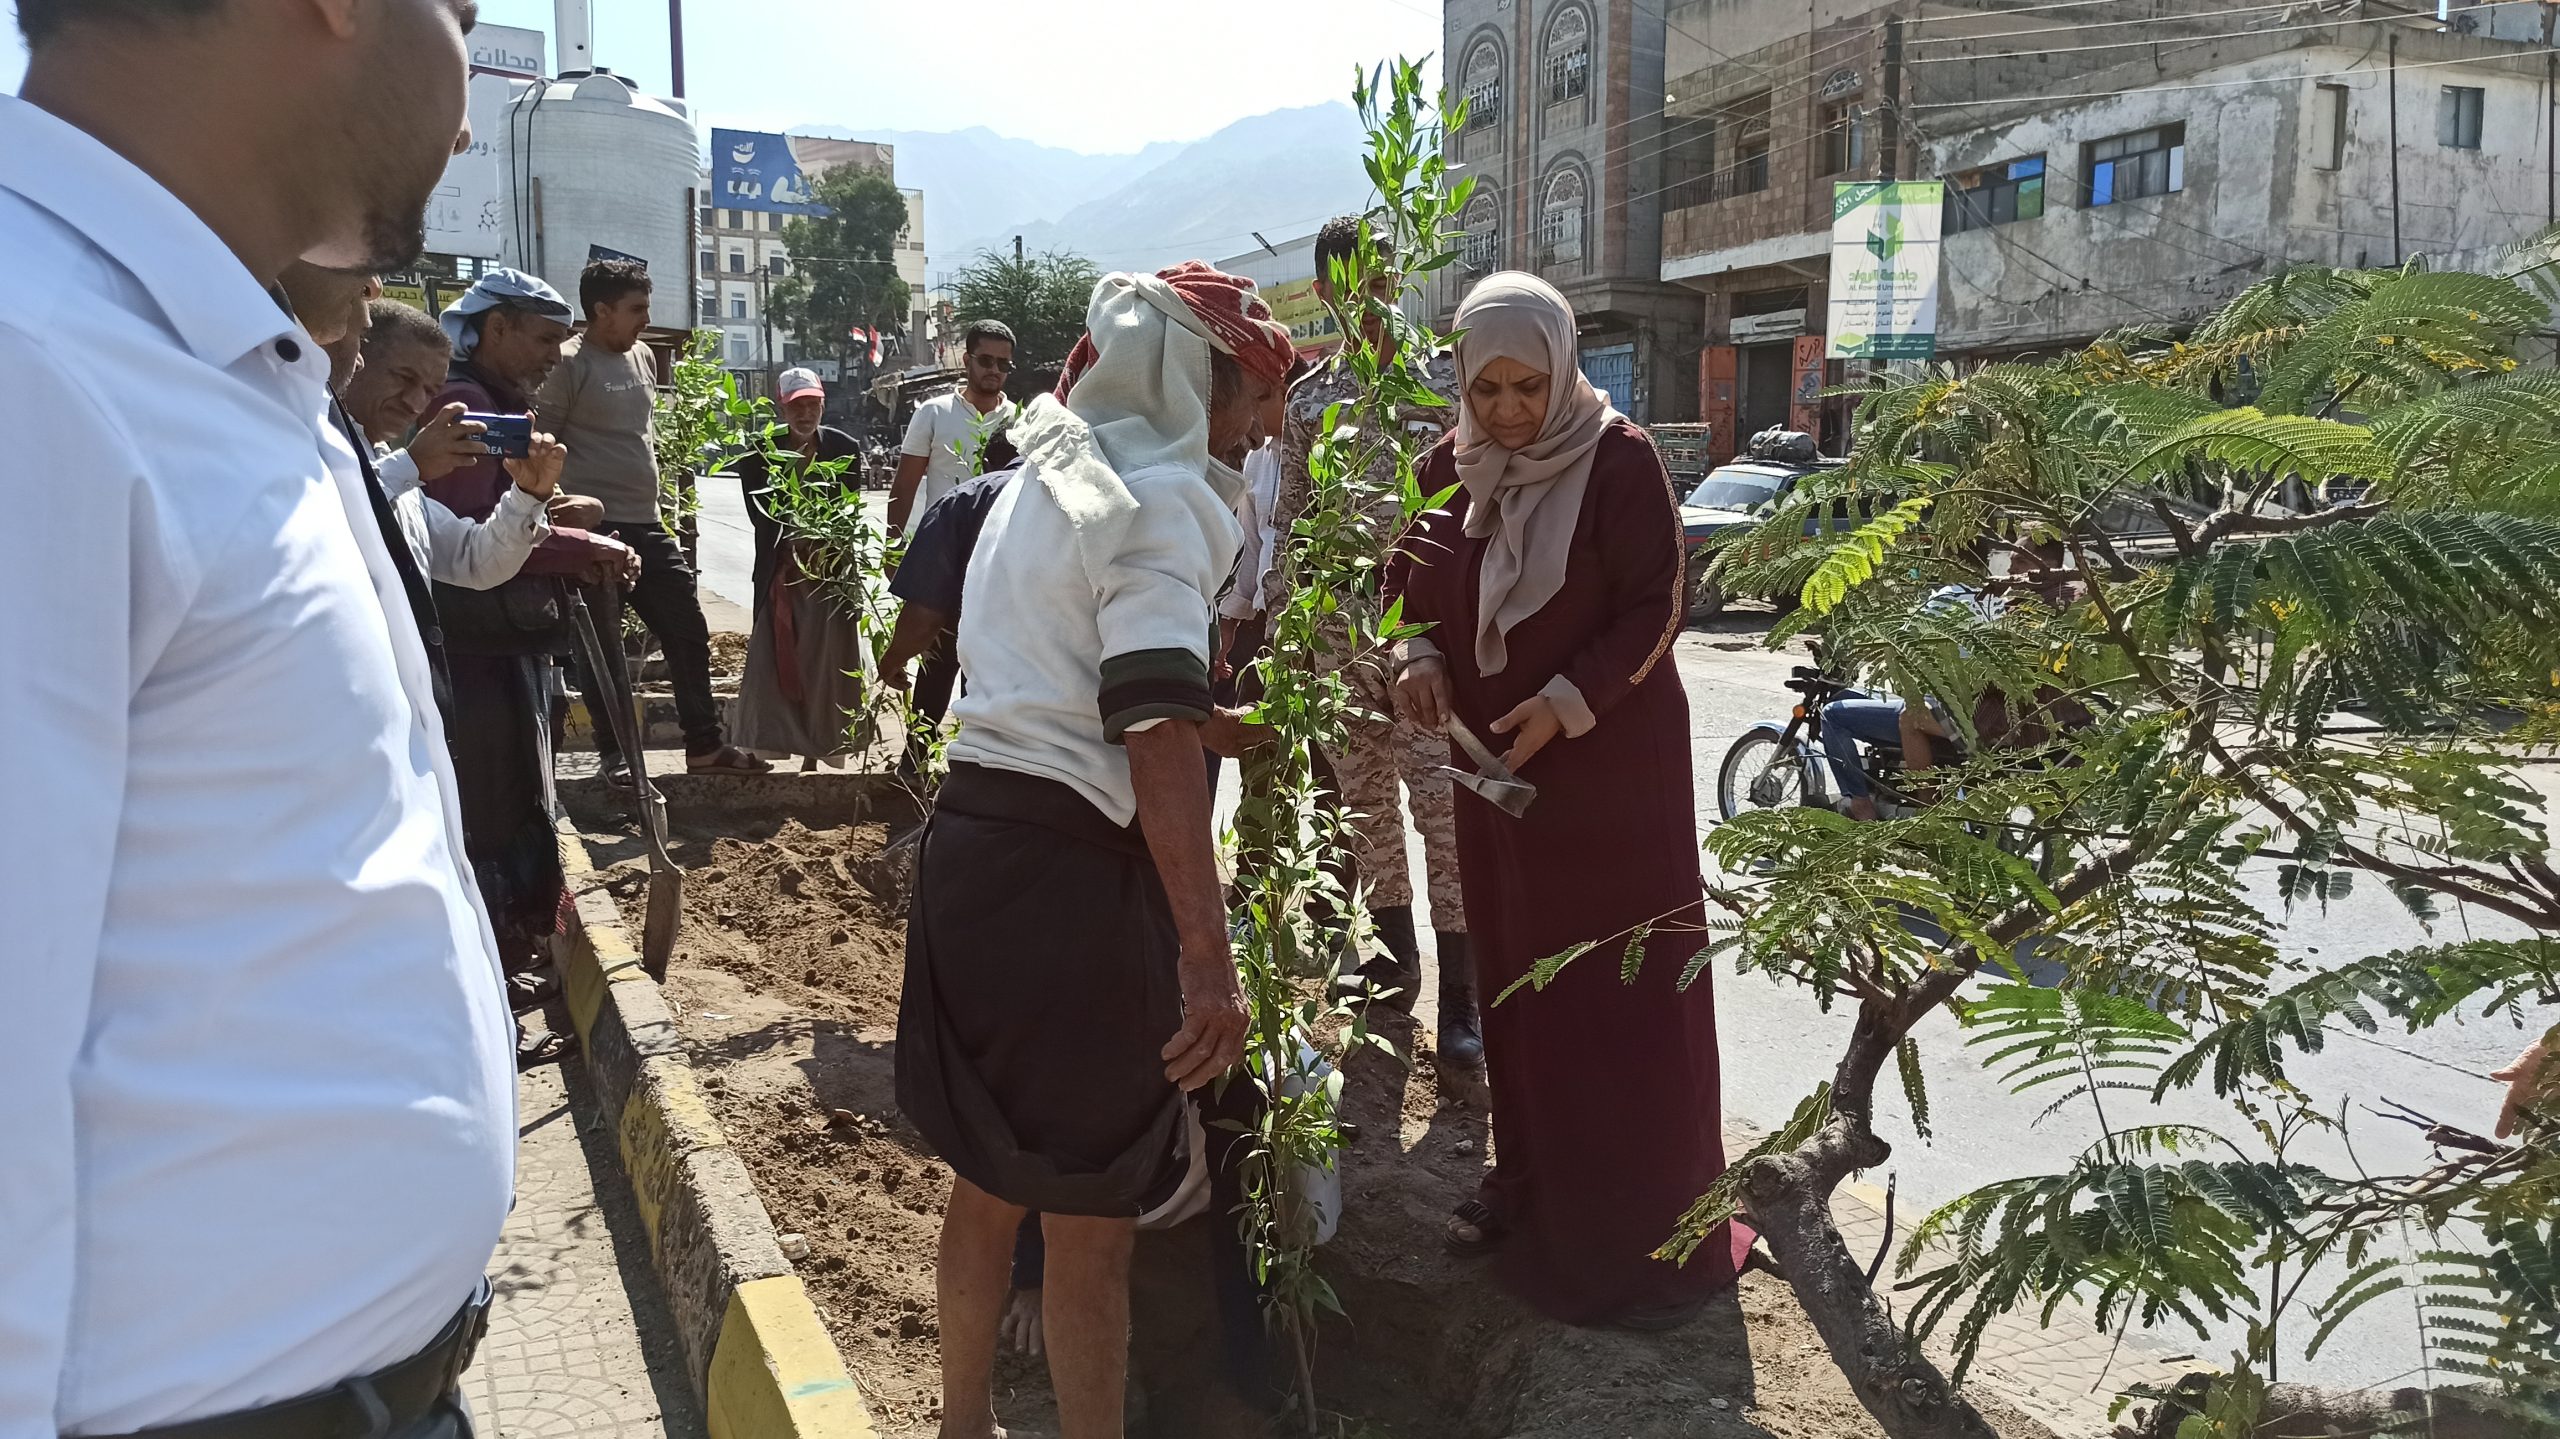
x,y
1523,503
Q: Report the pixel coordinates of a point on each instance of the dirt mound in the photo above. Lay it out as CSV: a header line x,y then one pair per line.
x,y
786,986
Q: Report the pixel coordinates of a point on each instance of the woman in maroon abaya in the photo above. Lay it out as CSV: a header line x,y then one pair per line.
x,y
1552,586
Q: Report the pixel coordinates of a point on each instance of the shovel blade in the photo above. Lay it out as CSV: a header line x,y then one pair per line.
x,y
1510,797
666,912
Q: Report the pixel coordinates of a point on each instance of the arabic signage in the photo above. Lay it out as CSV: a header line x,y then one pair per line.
x,y
751,170
1310,320
1884,269
466,216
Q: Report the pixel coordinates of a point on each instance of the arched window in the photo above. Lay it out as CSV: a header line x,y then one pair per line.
x,y
1568,66
1560,219
1483,86
1484,233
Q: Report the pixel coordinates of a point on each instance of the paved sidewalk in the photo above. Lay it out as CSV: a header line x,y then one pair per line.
x,y
579,1344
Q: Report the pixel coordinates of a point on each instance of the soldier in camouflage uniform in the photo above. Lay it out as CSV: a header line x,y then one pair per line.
x,y
1377,753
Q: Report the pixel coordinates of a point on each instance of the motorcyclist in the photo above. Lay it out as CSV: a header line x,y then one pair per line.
x,y
1856,718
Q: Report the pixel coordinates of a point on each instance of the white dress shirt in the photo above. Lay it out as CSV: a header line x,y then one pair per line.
x,y
258,1126
475,554
1255,510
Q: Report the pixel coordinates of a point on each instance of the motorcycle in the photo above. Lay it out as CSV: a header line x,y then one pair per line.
x,y
1775,766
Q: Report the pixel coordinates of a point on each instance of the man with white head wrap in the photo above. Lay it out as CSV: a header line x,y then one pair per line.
x,y
1068,975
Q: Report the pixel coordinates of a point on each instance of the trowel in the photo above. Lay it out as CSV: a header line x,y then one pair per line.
x,y
666,879
1491,780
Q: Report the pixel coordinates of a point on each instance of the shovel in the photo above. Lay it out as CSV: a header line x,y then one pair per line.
x,y
666,881
1493,782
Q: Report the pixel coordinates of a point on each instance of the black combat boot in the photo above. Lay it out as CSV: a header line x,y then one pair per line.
x,y
1398,969
1461,1027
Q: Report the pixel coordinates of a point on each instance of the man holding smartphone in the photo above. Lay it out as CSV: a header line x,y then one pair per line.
x,y
506,333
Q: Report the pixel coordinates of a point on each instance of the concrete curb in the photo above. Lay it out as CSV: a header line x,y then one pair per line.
x,y
755,1351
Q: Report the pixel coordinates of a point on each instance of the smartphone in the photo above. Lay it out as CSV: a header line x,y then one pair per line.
x,y
510,436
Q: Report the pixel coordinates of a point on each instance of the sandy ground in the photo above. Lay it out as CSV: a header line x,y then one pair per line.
x,y
786,986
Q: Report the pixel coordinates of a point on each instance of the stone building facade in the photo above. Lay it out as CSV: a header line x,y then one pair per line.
x,y
2108,165
1562,139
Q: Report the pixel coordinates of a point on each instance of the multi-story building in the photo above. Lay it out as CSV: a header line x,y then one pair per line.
x,y
740,256
2107,164
1561,135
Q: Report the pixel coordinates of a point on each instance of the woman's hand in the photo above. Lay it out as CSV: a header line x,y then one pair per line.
x,y
1537,722
1422,693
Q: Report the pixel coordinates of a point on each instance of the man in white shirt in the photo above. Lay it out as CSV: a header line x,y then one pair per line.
x,y
260,1118
948,436
1068,974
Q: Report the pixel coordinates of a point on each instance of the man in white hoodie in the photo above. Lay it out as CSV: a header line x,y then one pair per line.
x,y
1068,975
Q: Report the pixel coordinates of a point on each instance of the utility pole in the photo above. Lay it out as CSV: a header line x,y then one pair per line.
x,y
1017,249
1889,150
675,46
2397,258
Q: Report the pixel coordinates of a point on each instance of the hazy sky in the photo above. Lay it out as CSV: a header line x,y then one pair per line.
x,y
1094,75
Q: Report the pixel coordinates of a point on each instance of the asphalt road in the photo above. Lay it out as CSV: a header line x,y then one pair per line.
x,y
1778,1043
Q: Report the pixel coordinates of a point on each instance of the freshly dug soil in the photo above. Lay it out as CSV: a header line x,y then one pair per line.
x,y
785,984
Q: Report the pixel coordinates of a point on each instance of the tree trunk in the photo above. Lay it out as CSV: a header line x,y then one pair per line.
x,y
2303,1411
1787,1197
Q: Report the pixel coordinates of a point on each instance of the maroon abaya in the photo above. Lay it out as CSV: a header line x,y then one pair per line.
x,y
1606,1119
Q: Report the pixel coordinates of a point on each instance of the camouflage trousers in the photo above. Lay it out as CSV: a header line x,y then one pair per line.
x,y
1374,756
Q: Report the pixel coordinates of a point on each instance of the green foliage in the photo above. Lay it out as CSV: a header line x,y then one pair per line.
x,y
1854,560
698,417
1295,916
844,265
2337,500
2495,1315
1041,298
2415,988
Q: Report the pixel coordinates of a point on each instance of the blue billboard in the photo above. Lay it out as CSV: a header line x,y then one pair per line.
x,y
751,170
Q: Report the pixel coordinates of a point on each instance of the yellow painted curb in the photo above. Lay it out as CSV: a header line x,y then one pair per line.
x,y
756,1353
776,1374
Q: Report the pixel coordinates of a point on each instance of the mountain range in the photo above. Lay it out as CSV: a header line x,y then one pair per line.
x,y
1281,173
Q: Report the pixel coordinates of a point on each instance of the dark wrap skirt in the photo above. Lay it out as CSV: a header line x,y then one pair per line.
x,y
1041,987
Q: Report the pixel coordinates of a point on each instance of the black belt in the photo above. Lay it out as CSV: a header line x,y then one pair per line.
x,y
378,1404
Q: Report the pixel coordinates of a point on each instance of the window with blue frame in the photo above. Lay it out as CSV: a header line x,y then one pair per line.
x,y
2136,166
1999,194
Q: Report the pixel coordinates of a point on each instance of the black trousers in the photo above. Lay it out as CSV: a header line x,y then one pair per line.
x,y
669,606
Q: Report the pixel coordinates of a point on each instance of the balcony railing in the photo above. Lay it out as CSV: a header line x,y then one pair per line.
x,y
1748,178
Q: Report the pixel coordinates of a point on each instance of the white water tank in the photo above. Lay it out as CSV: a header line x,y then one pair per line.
x,y
588,162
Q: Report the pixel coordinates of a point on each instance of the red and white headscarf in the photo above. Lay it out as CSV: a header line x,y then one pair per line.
x,y
1230,314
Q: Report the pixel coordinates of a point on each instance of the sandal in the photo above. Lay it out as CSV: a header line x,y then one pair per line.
x,y
548,1047
1488,1230
728,759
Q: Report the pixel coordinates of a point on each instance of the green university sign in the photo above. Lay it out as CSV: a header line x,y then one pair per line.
x,y
1884,270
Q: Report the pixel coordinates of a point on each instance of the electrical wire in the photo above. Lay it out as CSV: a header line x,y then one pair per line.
x,y
2159,40
2211,84
1979,12
2222,13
